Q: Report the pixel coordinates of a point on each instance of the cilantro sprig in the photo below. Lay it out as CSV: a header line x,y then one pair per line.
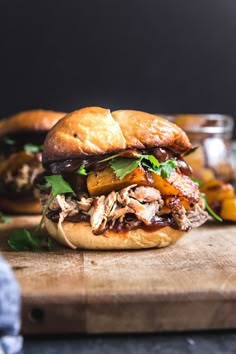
x,y
123,166
198,181
5,219
33,147
208,208
29,147
22,239
82,170
9,141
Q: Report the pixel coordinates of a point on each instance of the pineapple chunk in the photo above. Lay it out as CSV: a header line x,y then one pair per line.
x,y
216,191
105,181
228,209
177,185
163,185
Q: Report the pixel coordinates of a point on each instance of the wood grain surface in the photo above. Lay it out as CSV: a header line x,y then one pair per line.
x,y
189,285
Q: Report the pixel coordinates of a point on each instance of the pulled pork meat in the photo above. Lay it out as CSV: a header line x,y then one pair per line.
x,y
137,205
23,178
17,173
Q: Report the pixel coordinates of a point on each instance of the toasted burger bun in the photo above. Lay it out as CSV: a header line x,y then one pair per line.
x,y
74,136
95,131
28,121
79,235
20,206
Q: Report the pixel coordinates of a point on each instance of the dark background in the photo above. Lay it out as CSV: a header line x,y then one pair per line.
x,y
155,55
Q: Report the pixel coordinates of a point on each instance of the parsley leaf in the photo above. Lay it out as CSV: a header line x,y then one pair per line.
x,y
5,219
82,170
208,208
33,148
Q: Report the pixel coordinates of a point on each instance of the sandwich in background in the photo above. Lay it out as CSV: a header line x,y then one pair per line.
x,y
21,142
211,135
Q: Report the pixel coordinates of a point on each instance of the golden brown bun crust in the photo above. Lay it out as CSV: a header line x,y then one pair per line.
x,y
34,120
29,207
94,130
143,130
87,131
80,235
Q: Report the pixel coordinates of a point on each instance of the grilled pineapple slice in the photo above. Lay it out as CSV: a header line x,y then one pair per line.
x,y
105,181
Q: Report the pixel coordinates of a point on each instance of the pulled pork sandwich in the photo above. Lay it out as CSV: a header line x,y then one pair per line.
x,y
21,142
118,181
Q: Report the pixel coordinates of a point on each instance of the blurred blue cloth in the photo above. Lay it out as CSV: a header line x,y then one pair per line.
x,y
10,340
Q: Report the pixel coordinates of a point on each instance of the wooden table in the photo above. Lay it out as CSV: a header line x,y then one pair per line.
x,y
187,286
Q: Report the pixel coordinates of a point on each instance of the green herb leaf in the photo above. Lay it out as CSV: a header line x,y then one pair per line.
x,y
154,163
198,181
9,141
161,168
208,208
22,240
33,148
82,171
5,219
124,166
109,158
167,168
59,185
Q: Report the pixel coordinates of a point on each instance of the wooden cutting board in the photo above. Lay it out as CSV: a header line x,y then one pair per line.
x,y
189,285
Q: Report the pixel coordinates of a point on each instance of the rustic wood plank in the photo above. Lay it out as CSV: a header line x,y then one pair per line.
x,y
189,285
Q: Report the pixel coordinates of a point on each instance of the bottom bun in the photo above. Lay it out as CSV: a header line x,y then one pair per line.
x,y
19,206
79,235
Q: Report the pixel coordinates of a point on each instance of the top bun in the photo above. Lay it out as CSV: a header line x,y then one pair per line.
x,y
95,130
28,121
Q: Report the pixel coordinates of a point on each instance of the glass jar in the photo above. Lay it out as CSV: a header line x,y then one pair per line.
x,y
211,134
